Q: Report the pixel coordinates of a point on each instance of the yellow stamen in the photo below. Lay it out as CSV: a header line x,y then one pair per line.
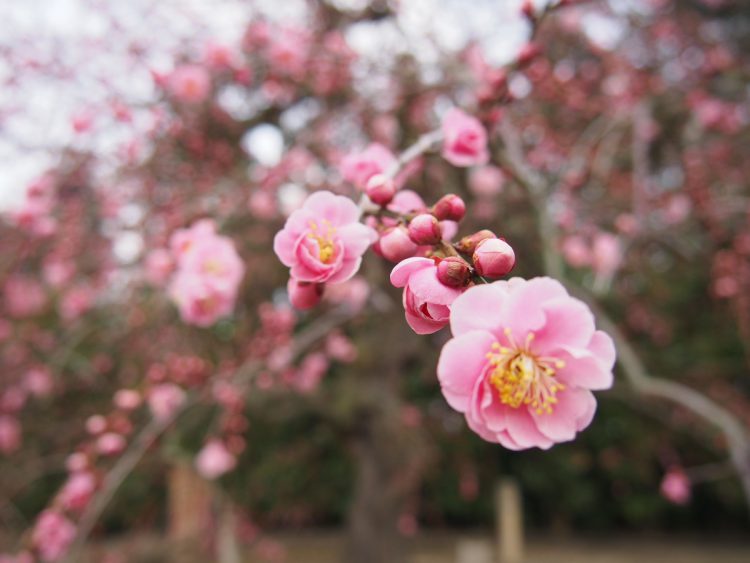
x,y
326,248
523,378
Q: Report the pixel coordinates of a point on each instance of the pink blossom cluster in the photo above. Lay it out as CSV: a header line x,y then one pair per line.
x,y
207,273
525,356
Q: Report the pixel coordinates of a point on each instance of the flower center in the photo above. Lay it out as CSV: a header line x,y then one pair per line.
x,y
523,378
324,238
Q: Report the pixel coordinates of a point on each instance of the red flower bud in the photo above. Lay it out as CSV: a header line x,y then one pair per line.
x,y
494,258
449,207
380,189
424,229
304,295
468,244
453,271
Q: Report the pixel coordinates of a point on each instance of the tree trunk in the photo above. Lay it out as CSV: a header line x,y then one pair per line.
x,y
372,527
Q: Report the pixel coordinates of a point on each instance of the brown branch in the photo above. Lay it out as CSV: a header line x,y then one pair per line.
x,y
512,158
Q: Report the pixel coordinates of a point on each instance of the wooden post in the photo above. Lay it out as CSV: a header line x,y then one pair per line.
x,y
190,499
509,514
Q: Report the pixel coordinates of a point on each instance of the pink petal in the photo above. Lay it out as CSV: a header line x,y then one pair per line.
x,y
573,412
427,288
523,430
283,245
603,347
569,322
583,369
404,269
339,210
356,238
523,312
423,325
478,308
462,361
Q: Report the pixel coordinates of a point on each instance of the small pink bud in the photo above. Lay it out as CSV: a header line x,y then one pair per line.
x,y
424,229
528,53
469,243
494,257
453,271
528,10
449,207
380,189
395,245
304,295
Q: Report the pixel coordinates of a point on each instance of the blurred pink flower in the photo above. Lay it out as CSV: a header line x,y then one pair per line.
x,y
214,460
190,83
675,487
159,266
324,240
165,399
576,252
426,300
38,381
23,296
10,434
359,167
110,443
606,254
52,535
486,181
464,139
209,272
522,361
77,490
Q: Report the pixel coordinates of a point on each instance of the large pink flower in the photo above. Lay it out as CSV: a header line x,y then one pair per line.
x,y
426,300
464,139
522,362
324,240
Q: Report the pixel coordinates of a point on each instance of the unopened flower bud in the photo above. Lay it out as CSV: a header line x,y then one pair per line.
x,y
453,271
528,53
468,244
395,245
494,258
449,207
424,229
304,295
380,189
528,10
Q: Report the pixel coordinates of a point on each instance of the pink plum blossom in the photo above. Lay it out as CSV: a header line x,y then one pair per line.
x,y
359,167
675,487
214,460
606,254
486,181
426,300
190,83
324,240
464,139
10,435
522,362
159,266
78,490
165,399
52,535
110,443
209,272
23,296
